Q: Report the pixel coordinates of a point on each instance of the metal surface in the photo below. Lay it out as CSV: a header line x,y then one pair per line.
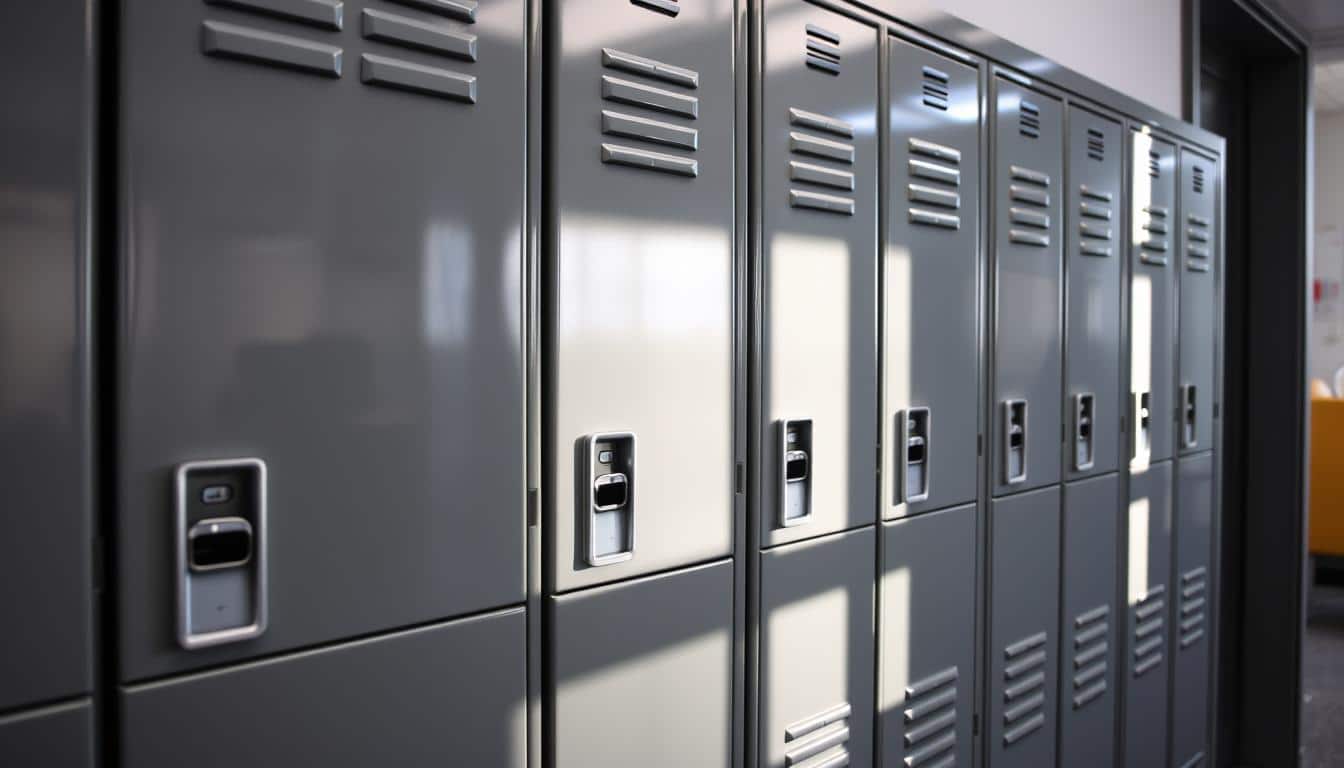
x,y
1191,605
60,736
1145,659
1199,260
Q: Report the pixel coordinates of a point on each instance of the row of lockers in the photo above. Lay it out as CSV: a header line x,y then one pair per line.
x,y
860,422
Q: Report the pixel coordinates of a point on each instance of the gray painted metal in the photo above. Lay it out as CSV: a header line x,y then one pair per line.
x,y
1094,261
1088,622
1023,629
641,673
321,267
45,223
818,263
931,281
1191,605
1200,259
641,113
447,694
1145,660
52,737
927,653
1028,172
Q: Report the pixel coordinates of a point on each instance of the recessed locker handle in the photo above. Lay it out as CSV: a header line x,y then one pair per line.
x,y
912,455
1189,415
1014,441
794,490
1141,446
1084,430
608,482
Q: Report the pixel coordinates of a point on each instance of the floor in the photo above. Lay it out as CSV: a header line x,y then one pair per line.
x,y
1323,674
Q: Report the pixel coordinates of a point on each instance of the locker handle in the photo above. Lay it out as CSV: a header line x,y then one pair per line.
x,y
1084,424
795,470
219,542
1143,418
913,455
1014,441
609,493
1189,411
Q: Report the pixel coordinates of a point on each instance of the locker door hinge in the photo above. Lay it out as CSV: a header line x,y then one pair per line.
x,y
980,444
1215,410
740,478
975,724
533,502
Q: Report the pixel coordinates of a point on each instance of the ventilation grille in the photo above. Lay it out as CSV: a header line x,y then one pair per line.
x,y
1091,655
819,741
1154,244
300,54
1154,164
1094,223
930,720
937,88
662,113
668,7
1192,606
1197,250
819,163
823,50
1029,120
1024,687
1096,144
1149,630
1197,179
935,178
1030,193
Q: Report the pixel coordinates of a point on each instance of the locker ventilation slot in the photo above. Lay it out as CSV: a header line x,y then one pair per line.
x,y
815,164
930,720
1024,687
430,37
462,10
819,740
1094,227
328,14
1096,144
667,108
1154,164
1091,654
1149,630
231,41
1029,120
669,7
1031,222
1196,248
935,177
1192,606
416,34
1153,247
936,89
1197,179
823,50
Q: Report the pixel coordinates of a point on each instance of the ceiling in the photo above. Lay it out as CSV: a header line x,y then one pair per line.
x,y
1322,22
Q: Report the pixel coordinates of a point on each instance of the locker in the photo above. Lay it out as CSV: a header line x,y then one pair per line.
x,y
1088,618
45,221
1145,661
1154,223
390,700
1191,609
1028,270
931,283
926,643
1094,263
641,673
315,287
817,272
52,737
1023,626
1200,259
639,298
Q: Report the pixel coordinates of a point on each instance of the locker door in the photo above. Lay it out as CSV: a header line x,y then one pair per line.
x,y
1024,621
1152,293
321,283
53,737
1093,406
1145,660
1027,286
1190,609
931,284
1087,622
818,272
641,673
816,651
392,700
927,613
640,291
1199,259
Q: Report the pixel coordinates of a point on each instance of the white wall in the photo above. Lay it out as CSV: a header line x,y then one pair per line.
x,y
1327,329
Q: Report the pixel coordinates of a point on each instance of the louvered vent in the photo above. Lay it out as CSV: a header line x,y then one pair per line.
x,y
823,49
935,178
1197,243
820,163
1029,120
1094,225
428,37
301,54
669,7
1091,654
1096,144
1154,164
1149,630
1197,179
936,88
1154,245
1192,606
1030,193
819,741
671,100
929,720
1024,687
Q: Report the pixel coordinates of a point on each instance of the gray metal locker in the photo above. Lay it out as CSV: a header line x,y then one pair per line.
x,y
1027,327
321,283
1023,629
931,283
926,613
1094,262
641,673
45,263
1190,610
1147,589
1088,621
51,737
1199,259
817,275
1154,223
640,288
446,694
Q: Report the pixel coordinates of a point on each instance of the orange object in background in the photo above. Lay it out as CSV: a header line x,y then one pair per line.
x,y
1326,532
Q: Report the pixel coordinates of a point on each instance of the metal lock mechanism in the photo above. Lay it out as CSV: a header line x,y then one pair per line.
x,y
795,472
1014,441
912,446
608,489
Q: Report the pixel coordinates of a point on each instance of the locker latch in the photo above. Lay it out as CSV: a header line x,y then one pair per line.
x,y
912,441
1014,441
1084,420
795,471
1189,411
1142,427
609,480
